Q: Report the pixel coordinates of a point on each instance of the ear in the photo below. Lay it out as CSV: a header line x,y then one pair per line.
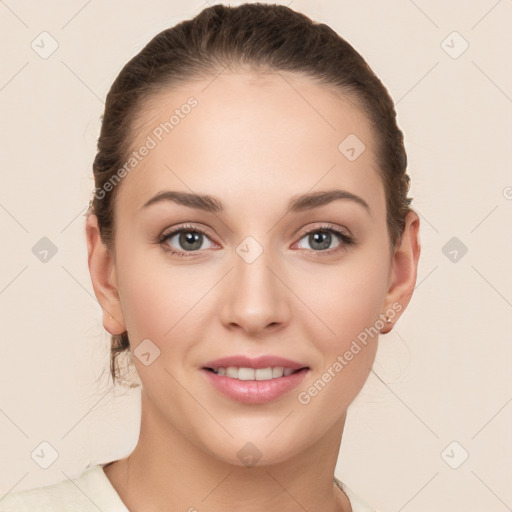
x,y
102,270
402,279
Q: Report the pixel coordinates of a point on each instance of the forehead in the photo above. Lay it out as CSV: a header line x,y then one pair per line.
x,y
259,134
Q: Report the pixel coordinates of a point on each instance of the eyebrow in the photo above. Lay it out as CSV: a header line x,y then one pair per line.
x,y
297,204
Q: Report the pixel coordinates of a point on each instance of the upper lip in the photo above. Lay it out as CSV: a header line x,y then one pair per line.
x,y
264,361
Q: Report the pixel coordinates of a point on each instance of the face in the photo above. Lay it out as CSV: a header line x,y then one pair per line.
x,y
256,271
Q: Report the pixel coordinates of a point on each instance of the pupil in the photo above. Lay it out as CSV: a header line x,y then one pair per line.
x,y
323,238
191,237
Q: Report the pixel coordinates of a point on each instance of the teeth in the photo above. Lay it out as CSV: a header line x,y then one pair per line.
x,y
243,373
277,371
263,374
232,372
254,374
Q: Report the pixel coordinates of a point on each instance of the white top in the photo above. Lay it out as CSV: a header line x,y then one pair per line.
x,y
92,491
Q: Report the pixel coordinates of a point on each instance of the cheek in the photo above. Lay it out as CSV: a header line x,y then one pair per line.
x,y
356,301
347,302
154,296
346,337
349,297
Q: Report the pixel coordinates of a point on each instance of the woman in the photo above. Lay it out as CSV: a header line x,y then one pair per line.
x,y
249,238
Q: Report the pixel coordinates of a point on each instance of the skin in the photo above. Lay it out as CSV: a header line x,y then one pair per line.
x,y
254,143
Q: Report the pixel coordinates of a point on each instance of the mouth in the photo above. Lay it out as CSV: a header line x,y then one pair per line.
x,y
254,381
252,391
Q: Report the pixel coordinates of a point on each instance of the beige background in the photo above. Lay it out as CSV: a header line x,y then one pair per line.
x,y
442,375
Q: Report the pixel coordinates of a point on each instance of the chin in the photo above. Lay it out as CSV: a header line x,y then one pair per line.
x,y
257,448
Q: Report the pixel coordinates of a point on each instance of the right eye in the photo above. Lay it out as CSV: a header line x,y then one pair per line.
x,y
183,240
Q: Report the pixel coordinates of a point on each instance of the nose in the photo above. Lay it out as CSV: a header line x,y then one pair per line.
x,y
255,299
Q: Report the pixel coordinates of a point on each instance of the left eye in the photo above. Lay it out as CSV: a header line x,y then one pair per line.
x,y
321,239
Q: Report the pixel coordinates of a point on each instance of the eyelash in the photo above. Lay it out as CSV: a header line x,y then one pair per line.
x,y
346,241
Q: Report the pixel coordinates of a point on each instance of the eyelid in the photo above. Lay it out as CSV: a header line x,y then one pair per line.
x,y
325,226
184,227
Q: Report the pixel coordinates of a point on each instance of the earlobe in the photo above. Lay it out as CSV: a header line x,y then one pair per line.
x,y
102,270
404,271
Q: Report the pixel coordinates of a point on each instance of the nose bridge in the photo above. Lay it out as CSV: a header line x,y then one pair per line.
x,y
256,298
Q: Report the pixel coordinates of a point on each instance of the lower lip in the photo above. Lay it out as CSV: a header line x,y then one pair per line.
x,y
255,391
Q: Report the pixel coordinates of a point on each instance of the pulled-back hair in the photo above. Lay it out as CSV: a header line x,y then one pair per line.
x,y
258,36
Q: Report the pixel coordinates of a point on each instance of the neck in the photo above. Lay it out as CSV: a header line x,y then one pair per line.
x,y
167,468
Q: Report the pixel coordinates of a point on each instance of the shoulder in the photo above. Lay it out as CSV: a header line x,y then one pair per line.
x,y
90,491
356,502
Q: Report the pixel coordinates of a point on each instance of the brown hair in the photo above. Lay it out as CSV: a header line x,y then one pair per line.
x,y
266,37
